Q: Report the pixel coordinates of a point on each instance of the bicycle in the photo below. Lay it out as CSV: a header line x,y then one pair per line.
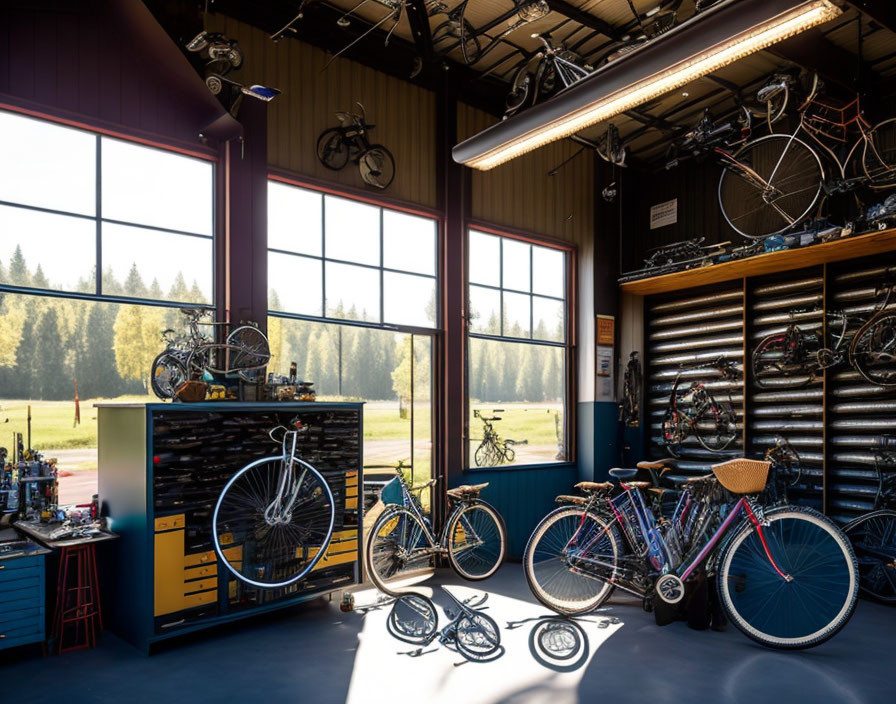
x,y
696,412
337,145
791,353
773,183
245,352
274,518
556,69
471,633
873,535
493,451
402,543
630,408
787,577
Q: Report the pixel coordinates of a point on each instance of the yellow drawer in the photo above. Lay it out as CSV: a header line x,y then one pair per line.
x,y
200,585
351,503
340,559
351,492
351,479
199,599
350,534
168,572
201,571
199,558
234,553
171,522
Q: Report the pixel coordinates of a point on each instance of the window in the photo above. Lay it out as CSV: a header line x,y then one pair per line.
x,y
90,222
517,352
352,300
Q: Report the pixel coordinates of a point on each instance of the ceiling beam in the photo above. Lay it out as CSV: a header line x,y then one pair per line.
x,y
585,19
811,50
418,19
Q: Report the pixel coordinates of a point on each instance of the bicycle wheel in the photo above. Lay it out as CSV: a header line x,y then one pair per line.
x,y
519,90
252,351
398,550
800,613
477,541
167,374
477,636
716,425
568,558
377,166
873,537
879,155
872,351
768,360
509,454
268,531
332,149
770,185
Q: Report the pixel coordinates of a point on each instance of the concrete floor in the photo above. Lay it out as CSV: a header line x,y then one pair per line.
x,y
315,653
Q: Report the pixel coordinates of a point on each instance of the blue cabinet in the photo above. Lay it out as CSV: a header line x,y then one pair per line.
x,y
22,596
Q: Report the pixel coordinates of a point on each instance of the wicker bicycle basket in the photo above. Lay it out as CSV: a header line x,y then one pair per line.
x,y
742,476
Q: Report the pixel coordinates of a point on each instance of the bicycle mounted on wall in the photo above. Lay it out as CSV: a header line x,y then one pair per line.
x,y
337,145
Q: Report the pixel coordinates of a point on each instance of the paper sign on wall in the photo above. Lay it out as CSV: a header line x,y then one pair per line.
x,y
663,214
606,329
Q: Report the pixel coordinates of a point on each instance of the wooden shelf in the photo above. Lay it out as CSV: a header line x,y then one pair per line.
x,y
768,263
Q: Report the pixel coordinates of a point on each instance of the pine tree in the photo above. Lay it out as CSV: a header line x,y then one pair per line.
x,y
25,359
18,269
133,285
49,366
179,291
39,280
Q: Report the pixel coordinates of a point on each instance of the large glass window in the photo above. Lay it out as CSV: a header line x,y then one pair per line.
x,y
517,352
108,220
352,297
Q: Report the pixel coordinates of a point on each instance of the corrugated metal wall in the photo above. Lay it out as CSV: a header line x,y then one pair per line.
x,y
404,114
520,194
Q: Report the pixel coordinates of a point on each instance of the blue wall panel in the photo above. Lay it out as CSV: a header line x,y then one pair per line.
x,y
523,496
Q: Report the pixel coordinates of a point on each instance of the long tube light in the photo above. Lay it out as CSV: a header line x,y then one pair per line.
x,y
725,33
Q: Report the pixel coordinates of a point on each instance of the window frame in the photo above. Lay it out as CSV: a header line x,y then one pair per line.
x,y
568,343
280,177
99,133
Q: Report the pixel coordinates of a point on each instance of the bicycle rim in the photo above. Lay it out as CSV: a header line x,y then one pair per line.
x,y
252,349
167,374
552,553
879,155
795,172
399,551
873,350
377,167
273,552
801,613
873,538
476,542
477,636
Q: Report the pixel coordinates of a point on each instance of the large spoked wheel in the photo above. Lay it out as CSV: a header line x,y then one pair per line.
x,y
568,558
167,374
771,185
879,155
873,350
272,525
250,351
477,541
485,455
478,636
332,149
399,551
377,166
716,426
873,537
800,613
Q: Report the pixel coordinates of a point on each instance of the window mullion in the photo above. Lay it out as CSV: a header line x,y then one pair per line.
x,y
98,177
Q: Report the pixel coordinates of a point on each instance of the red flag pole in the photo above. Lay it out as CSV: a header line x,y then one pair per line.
x,y
77,406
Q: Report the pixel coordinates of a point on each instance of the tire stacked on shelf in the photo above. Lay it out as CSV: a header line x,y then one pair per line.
x,y
789,405
688,331
858,412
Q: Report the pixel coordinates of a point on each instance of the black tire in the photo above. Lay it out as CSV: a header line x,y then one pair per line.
x,y
568,607
872,351
490,563
332,149
869,534
253,354
742,566
722,422
382,560
167,374
519,90
377,166
879,155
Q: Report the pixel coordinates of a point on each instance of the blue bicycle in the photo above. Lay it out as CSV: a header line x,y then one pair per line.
x,y
787,577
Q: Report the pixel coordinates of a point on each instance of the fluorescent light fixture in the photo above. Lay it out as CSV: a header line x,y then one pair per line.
x,y
724,34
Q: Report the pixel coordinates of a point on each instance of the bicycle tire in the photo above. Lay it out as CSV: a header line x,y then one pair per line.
x,y
810,548
548,571
508,455
270,553
477,636
167,374
519,90
377,166
741,201
879,161
252,354
871,535
476,562
723,420
880,332
332,149
397,533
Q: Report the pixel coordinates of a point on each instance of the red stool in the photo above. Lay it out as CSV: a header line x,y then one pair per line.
x,y
78,616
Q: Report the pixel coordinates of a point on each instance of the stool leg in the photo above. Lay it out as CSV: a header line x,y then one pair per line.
x,y
96,585
60,595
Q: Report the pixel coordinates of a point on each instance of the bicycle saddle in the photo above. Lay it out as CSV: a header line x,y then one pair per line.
x,y
623,474
466,490
651,465
594,486
567,499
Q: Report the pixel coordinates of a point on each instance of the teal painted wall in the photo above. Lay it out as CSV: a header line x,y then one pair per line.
x,y
523,496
